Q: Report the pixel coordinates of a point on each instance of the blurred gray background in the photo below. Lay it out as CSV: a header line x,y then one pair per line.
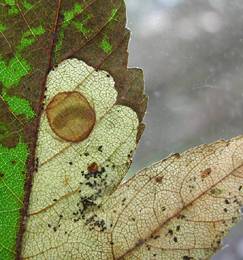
x,y
191,52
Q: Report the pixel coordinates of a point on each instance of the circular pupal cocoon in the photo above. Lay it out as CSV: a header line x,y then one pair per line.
x,y
70,116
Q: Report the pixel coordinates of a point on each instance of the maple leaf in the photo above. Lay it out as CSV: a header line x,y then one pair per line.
x,y
70,102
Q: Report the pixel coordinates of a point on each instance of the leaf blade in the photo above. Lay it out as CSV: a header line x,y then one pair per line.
x,y
163,228
30,49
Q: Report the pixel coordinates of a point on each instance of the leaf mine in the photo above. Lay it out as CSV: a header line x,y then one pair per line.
x,y
82,153
70,116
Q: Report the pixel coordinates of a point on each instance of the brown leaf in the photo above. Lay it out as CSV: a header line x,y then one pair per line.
x,y
170,211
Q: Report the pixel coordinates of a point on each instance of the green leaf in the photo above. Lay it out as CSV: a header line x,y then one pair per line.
x,y
12,177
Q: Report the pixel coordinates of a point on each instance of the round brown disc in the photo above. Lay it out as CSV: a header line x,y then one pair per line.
x,y
70,116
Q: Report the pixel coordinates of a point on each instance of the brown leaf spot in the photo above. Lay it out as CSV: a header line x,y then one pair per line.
x,y
1,175
159,179
140,242
93,167
177,155
205,173
185,257
70,116
10,141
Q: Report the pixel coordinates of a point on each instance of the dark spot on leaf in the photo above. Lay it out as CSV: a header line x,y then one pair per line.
x,y
205,173
1,175
10,141
175,239
180,216
185,257
100,148
140,242
93,167
159,179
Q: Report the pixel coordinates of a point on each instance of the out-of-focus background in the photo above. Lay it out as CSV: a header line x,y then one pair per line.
x,y
191,52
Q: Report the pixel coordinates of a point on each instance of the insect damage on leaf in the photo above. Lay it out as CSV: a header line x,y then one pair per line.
x,y
40,36
205,173
181,207
70,116
82,151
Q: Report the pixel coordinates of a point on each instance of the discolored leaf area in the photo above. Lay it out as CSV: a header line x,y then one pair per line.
x,y
36,36
74,178
172,210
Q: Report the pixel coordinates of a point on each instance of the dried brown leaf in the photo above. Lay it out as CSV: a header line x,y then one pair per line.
x,y
171,210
